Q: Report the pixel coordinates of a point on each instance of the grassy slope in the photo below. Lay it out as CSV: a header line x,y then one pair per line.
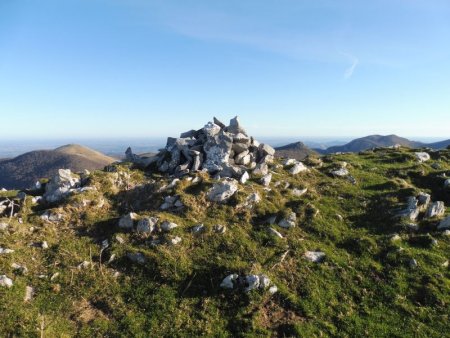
x,y
365,287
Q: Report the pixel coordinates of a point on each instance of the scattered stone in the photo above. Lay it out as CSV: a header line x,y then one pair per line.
x,y
51,216
127,221
244,178
168,226
198,229
265,181
120,240
422,156
436,209
84,265
342,172
288,222
299,192
274,232
424,200
175,241
220,229
411,212
5,281
298,168
147,225
251,282
229,281
136,257
4,251
54,276
273,290
29,294
340,217
272,220
261,169
289,162
314,256
19,269
223,190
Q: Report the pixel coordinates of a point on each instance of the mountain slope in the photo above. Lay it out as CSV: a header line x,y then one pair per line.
x,y
372,141
23,171
298,151
439,145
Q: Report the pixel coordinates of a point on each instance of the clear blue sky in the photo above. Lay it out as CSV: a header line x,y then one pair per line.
x,y
96,68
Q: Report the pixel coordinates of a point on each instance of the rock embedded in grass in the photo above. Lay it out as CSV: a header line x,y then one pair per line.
x,y
223,190
314,256
168,226
288,222
436,209
5,281
444,224
298,168
147,225
127,221
422,156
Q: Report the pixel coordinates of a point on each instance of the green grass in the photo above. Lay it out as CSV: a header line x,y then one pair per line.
x,y
365,286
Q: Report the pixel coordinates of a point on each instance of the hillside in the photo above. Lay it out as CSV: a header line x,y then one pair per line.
x,y
23,171
372,141
298,151
353,246
439,145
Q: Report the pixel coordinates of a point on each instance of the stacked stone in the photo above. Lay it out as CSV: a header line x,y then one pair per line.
x,y
217,149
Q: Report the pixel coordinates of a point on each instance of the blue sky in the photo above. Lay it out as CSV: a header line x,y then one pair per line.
x,y
144,68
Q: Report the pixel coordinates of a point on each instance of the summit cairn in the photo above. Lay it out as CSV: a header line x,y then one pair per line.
x,y
226,151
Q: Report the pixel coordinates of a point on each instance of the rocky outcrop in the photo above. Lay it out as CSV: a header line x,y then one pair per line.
x,y
61,185
217,149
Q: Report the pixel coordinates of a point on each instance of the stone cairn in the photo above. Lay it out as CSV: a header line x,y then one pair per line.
x,y
225,151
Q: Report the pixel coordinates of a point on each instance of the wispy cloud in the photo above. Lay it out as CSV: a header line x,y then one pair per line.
x,y
350,70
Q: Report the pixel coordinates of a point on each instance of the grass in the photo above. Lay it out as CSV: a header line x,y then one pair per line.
x,y
365,286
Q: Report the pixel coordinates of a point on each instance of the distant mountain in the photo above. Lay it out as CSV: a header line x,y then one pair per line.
x,y
439,145
23,171
298,151
372,141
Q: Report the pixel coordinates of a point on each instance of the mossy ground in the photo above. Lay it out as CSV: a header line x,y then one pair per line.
x,y
365,286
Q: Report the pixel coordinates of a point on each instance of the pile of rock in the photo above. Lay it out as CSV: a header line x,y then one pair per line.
x,y
218,149
421,203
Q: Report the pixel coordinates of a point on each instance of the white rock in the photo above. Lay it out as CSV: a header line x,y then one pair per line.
x,y
435,209
422,156
120,240
264,281
168,226
3,226
223,190
446,233
220,229
84,265
273,290
288,222
261,169
44,245
299,192
5,281
244,178
19,268
127,221
198,229
147,225
289,161
342,172
298,168
413,263
272,231
447,183
29,293
5,251
175,241
228,282
314,256
251,282
265,181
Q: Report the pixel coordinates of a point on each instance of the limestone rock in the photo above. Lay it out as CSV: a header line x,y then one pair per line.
x,y
168,226
436,209
265,181
223,190
298,168
5,281
229,281
147,225
444,224
288,222
60,185
314,256
422,156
